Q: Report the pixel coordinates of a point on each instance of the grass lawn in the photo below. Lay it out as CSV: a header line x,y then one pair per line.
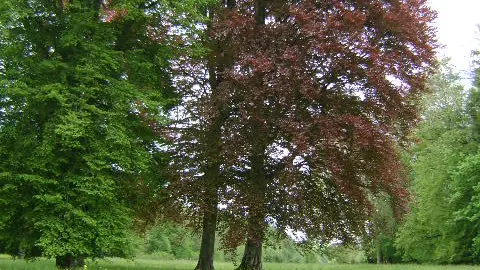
x,y
6,263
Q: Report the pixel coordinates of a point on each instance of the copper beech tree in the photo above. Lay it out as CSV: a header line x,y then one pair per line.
x,y
304,106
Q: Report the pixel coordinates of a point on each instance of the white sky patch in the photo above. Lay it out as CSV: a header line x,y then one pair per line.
x,y
297,236
117,168
300,161
276,151
457,30
2,67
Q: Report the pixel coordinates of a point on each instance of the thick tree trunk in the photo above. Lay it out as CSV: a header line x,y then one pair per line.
x,y
252,256
69,262
207,248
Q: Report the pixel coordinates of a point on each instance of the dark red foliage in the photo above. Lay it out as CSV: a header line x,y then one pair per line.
x,y
314,103
333,85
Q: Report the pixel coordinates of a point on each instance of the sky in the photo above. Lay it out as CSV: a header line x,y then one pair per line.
x,y
457,30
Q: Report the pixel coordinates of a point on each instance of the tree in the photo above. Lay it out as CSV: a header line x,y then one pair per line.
x,y
464,187
379,244
197,165
84,85
172,240
462,227
429,233
295,115
319,96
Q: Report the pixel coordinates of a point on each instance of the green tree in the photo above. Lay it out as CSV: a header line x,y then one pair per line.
x,y
378,245
465,196
465,199
429,233
83,85
174,240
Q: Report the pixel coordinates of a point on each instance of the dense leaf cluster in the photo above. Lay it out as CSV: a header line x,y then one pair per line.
x,y
443,224
82,86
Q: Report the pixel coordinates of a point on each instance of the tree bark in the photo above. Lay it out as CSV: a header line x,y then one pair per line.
x,y
207,248
215,69
252,256
69,262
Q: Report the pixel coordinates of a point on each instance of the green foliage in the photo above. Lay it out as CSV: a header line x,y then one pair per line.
x,y
379,244
79,96
285,251
170,240
465,200
473,108
345,255
438,229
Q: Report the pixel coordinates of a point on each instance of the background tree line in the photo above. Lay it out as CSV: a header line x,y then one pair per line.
x,y
171,241
441,225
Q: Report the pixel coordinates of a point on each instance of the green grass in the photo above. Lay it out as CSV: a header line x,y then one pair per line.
x,y
6,263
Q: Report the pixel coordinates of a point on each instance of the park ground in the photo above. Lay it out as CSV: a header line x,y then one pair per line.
x,y
6,263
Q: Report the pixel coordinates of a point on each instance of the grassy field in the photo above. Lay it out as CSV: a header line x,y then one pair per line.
x,y
143,264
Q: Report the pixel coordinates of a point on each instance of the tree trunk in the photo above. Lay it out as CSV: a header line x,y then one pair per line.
x,y
207,248
69,262
215,69
379,251
252,256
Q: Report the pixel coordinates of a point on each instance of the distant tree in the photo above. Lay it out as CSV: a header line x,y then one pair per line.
x,y
171,239
431,232
345,254
379,243
464,194
84,87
